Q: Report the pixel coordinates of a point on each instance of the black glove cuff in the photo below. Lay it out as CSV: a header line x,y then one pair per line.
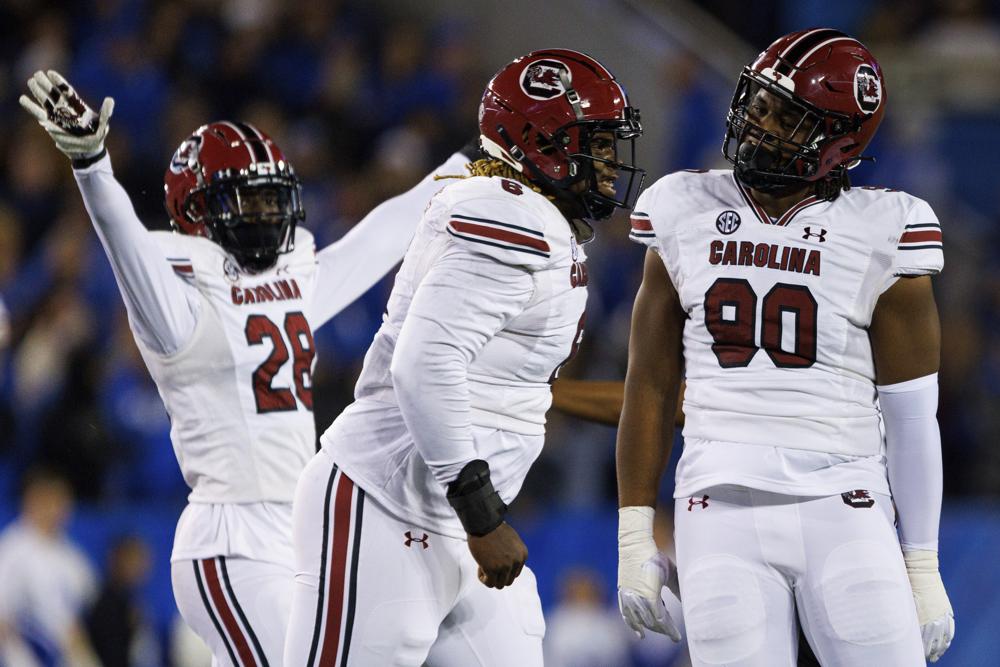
x,y
84,162
473,498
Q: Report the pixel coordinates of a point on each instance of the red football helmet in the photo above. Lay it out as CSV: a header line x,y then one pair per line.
x,y
830,87
539,115
232,184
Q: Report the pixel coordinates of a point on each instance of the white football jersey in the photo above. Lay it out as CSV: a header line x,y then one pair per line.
x,y
776,342
232,353
239,394
496,268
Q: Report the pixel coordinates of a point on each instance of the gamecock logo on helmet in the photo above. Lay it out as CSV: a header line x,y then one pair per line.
x,y
867,89
186,155
541,80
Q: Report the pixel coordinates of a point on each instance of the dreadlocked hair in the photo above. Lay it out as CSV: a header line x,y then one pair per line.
x,y
494,167
830,188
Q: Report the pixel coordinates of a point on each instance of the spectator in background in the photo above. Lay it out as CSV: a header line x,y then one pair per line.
x,y
118,632
582,631
45,581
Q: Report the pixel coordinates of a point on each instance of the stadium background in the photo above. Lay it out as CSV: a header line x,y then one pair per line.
x,y
365,98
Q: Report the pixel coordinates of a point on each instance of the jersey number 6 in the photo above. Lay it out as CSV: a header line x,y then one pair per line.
x,y
731,318
280,399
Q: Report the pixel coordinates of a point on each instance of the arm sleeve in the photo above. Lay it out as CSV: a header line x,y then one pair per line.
x,y
161,309
462,302
913,456
352,265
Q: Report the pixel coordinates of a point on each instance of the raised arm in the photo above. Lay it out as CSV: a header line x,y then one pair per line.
x,y
906,344
350,266
645,436
161,309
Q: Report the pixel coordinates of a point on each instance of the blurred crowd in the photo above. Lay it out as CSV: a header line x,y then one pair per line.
x,y
365,101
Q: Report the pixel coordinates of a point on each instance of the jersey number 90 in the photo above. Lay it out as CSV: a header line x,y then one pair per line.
x,y
731,318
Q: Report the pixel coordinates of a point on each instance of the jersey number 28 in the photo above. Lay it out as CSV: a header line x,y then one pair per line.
x,y
731,318
280,399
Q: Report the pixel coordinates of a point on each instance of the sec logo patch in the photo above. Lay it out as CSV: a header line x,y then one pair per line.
x,y
728,222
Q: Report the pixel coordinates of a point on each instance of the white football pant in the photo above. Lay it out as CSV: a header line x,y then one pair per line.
x,y
371,590
239,607
754,564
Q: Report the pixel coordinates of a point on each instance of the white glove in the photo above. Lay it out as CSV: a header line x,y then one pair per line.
x,y
76,129
934,613
642,573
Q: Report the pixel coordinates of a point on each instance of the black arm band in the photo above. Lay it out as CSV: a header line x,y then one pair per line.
x,y
84,162
473,498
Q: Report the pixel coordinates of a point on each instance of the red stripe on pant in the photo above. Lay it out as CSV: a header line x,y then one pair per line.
x,y
209,568
338,568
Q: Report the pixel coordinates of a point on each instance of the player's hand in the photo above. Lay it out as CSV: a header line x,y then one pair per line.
x,y
934,612
501,556
77,130
642,573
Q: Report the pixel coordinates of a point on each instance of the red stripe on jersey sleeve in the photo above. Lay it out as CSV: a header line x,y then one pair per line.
x,y
641,224
499,235
921,236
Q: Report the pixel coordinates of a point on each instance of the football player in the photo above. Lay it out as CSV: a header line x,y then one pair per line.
x,y
800,311
223,314
403,553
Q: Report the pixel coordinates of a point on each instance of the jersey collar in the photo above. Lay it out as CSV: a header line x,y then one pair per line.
x,y
762,215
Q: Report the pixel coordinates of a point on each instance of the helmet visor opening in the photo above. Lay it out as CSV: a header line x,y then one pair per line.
x,y
609,166
254,218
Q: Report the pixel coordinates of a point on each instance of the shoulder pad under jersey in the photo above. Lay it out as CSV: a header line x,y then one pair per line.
x,y
501,219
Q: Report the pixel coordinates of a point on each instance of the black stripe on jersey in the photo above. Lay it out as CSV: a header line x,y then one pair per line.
x,y
642,235
927,225
211,614
353,593
787,60
920,247
639,214
497,222
496,245
239,611
322,569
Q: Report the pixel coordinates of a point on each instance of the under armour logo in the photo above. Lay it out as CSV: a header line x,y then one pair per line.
x,y
692,502
809,234
410,539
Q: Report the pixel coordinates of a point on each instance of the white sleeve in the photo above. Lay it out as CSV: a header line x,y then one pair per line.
x,y
913,456
161,308
462,302
350,266
920,248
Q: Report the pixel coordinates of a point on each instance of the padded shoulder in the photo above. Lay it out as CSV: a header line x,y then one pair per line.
x,y
501,219
653,218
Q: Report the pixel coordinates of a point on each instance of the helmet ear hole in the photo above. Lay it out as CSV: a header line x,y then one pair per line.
x,y
545,147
